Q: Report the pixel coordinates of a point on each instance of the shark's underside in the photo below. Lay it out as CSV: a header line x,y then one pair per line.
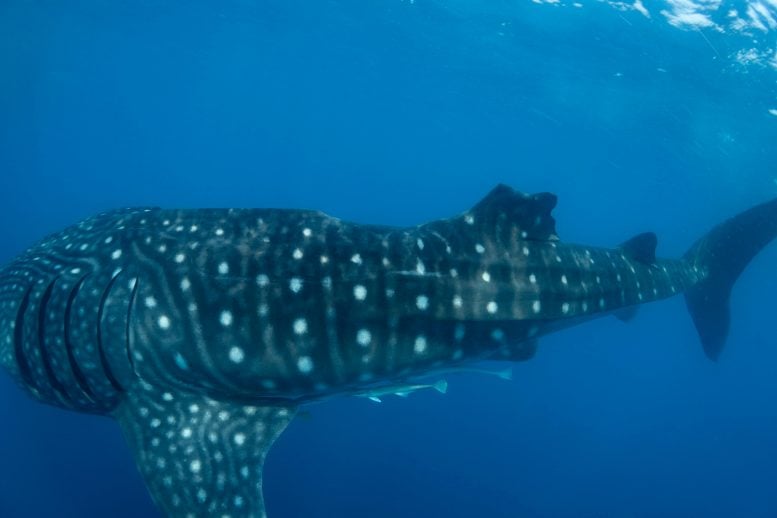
x,y
201,331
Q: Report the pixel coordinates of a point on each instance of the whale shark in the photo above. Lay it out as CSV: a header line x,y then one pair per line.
x,y
201,332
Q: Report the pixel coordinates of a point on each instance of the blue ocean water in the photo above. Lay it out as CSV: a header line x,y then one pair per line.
x,y
659,117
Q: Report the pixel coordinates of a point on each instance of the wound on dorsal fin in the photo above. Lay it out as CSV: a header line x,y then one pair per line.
x,y
501,221
200,456
528,214
641,247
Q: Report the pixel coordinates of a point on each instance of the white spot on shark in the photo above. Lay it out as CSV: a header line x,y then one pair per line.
x,y
300,326
305,364
164,322
363,337
420,344
181,362
226,318
236,354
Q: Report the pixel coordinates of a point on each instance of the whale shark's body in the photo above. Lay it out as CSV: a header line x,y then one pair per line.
x,y
201,331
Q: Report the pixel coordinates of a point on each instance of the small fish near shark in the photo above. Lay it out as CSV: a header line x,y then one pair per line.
x,y
376,394
203,331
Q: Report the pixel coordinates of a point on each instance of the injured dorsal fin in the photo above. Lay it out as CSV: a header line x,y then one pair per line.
x,y
199,456
641,247
529,214
504,216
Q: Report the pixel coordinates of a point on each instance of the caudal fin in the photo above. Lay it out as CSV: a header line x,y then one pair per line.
x,y
441,386
722,255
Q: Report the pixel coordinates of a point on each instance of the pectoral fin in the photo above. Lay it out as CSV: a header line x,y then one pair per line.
x,y
199,456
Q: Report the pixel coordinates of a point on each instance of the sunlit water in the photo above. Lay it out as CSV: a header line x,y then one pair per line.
x,y
641,116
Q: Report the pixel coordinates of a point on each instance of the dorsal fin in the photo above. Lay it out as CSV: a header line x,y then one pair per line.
x,y
530,214
641,247
504,217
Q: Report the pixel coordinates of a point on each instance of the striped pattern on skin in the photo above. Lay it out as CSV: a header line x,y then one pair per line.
x,y
201,331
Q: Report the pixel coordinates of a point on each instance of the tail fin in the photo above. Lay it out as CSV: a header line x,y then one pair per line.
x,y
506,374
441,386
722,255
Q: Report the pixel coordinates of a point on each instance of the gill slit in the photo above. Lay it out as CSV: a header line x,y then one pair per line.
x,y
58,387
21,359
128,326
103,358
83,384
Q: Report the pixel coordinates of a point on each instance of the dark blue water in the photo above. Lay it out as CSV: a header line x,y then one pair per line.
x,y
394,112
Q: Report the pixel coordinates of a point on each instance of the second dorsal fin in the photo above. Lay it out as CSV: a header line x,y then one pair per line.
x,y
641,247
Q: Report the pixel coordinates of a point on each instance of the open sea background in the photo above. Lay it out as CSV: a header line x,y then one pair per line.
x,y
659,116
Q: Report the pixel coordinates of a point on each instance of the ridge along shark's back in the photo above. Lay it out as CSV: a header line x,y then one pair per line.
x,y
200,331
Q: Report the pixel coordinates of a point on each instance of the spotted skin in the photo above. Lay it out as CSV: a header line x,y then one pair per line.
x,y
201,331
200,456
